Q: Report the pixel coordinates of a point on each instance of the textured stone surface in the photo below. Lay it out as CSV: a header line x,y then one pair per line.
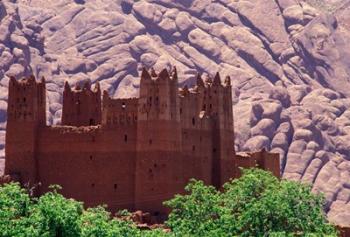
x,y
289,63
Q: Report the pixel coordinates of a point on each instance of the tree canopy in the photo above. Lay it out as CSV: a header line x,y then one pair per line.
x,y
257,204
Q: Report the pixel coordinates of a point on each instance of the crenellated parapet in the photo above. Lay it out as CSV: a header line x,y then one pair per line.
x,y
128,153
81,106
119,112
158,95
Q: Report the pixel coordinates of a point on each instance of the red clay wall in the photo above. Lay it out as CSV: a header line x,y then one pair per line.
x,y
95,166
262,159
344,231
159,166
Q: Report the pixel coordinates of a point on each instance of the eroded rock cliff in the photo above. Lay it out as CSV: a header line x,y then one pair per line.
x,y
289,63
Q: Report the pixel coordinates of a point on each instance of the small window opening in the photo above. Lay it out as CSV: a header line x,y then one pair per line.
x,y
204,107
193,121
214,150
90,157
193,148
125,138
93,185
155,165
180,110
92,122
123,105
24,99
150,141
115,186
210,106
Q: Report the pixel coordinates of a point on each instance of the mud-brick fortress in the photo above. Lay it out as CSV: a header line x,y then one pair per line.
x,y
126,153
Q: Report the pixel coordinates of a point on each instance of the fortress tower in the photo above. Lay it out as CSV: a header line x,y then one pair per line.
x,y
158,161
26,113
81,107
129,153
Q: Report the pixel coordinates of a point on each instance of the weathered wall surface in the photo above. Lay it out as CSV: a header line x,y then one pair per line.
x,y
90,163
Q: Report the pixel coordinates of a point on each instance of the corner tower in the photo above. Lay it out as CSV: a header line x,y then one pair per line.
x,y
26,114
158,163
217,103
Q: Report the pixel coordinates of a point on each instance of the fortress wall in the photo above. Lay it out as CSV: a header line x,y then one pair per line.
x,y
90,163
262,159
197,151
160,177
118,112
159,167
20,151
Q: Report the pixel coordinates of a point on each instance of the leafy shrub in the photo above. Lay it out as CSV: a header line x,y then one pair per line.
x,y
257,204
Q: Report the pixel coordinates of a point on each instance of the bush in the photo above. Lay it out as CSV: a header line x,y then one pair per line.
x,y
257,204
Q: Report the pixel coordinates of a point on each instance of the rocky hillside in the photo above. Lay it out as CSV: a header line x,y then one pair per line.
x,y
289,62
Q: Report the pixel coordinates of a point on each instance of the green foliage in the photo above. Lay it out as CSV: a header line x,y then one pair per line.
x,y
14,209
52,215
198,213
57,215
257,204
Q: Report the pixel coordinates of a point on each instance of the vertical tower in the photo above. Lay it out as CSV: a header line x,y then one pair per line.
x,y
217,102
26,113
158,162
81,107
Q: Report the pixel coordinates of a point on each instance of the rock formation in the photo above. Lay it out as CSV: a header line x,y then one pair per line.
x,y
289,64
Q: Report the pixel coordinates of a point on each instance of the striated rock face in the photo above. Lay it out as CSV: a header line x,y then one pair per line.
x,y
289,63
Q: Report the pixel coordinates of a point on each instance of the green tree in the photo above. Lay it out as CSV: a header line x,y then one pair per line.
x,y
257,204
15,206
57,215
196,214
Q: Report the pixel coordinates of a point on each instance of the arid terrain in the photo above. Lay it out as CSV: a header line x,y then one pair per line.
x,y
289,62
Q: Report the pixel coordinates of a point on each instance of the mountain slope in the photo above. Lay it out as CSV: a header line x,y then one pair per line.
x,y
289,64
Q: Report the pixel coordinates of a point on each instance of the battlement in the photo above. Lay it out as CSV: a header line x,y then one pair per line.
x,y
119,112
128,153
81,106
64,129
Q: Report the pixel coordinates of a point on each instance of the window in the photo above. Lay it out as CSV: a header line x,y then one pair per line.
x,y
115,186
125,138
24,99
204,107
123,105
193,121
214,150
150,141
180,110
91,122
90,157
92,185
193,148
